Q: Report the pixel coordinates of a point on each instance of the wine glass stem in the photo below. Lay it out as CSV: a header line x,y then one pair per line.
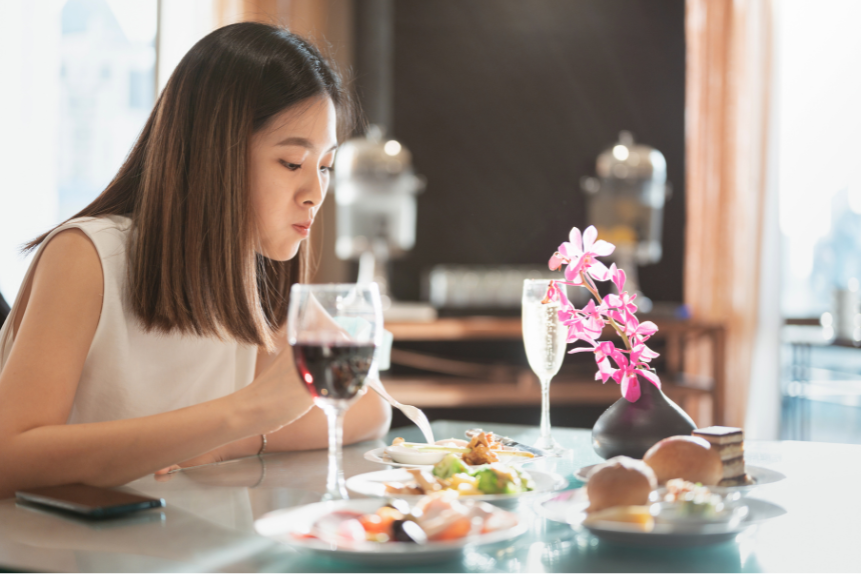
x,y
546,439
335,480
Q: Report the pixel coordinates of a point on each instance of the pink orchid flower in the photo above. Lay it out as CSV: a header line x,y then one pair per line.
x,y
554,293
624,302
580,253
579,256
626,376
637,331
618,276
579,329
602,351
592,316
641,354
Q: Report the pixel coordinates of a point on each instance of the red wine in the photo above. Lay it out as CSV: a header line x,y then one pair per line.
x,y
333,371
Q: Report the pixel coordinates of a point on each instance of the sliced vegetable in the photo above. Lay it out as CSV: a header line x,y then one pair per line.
x,y
498,479
449,466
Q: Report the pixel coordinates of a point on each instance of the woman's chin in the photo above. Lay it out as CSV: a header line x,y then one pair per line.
x,y
281,253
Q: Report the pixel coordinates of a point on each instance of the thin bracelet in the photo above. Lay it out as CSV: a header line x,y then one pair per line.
x,y
262,447
262,473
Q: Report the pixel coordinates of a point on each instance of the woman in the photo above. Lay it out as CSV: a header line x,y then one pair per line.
x,y
149,329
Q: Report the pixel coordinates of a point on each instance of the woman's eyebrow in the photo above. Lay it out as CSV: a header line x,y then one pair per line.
x,y
304,142
296,141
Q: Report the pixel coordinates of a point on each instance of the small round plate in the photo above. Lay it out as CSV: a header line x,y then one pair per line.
x,y
373,485
287,526
380,456
760,476
569,507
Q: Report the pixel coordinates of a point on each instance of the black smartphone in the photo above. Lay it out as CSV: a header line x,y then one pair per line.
x,y
88,501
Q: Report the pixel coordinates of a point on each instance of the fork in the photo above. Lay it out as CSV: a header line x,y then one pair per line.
x,y
414,414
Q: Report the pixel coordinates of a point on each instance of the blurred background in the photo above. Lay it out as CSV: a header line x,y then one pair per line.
x,y
714,140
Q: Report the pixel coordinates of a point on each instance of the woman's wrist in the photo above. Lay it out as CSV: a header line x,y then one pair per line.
x,y
242,448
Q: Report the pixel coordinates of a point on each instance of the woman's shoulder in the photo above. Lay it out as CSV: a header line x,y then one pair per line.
x,y
68,258
109,234
99,225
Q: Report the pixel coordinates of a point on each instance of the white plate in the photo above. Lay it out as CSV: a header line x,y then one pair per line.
x,y
379,455
281,524
569,507
760,475
372,485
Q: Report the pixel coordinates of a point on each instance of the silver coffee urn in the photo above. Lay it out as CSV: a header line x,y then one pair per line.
x,y
375,193
626,204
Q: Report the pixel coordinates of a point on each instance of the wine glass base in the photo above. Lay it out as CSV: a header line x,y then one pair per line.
x,y
550,446
335,496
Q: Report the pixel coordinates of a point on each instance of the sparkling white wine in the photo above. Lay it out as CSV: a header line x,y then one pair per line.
x,y
544,338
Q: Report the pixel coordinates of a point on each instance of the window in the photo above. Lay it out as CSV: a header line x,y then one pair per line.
x,y
79,80
819,90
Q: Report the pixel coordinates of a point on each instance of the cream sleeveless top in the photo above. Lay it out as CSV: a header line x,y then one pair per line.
x,y
130,372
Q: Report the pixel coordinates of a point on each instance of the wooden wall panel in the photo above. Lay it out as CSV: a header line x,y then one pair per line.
x,y
505,105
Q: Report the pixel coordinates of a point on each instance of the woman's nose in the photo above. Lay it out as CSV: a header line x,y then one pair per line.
x,y
316,190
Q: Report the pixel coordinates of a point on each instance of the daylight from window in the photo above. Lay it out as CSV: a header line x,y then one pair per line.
x,y
819,125
83,73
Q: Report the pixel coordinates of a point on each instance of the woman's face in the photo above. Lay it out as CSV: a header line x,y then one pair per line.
x,y
289,168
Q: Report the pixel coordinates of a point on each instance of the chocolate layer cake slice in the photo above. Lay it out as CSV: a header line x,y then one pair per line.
x,y
729,443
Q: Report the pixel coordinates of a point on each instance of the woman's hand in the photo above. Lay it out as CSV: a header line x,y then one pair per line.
x,y
234,450
277,396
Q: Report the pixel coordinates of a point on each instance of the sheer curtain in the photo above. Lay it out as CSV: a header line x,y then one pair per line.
x,y
729,44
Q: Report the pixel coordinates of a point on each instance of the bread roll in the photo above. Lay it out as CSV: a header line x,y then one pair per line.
x,y
685,457
620,481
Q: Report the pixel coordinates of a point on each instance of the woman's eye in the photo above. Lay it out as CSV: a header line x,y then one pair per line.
x,y
327,169
290,166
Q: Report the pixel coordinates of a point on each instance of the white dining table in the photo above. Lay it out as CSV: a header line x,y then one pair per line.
x,y
208,523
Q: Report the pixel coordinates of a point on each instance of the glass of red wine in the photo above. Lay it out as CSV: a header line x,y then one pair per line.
x,y
334,330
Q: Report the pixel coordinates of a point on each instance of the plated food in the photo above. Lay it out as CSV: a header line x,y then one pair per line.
x,y
437,517
685,491
482,449
657,523
494,482
391,532
452,474
713,456
623,502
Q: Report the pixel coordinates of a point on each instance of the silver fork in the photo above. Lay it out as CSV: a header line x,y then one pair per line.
x,y
414,414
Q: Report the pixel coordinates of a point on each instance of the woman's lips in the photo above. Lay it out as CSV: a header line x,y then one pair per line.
x,y
303,229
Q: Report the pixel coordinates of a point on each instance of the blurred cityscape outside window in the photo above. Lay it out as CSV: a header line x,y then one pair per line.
x,y
79,81
107,89
819,166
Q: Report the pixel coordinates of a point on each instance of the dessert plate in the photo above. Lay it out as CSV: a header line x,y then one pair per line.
x,y
290,525
373,485
569,507
760,476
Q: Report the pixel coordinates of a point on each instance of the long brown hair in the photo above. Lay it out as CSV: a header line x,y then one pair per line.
x,y
192,262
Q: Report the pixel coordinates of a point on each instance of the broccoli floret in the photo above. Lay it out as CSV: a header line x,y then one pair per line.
x,y
498,479
488,480
449,465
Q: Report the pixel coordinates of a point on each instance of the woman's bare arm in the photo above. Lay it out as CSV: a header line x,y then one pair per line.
x,y
40,378
369,418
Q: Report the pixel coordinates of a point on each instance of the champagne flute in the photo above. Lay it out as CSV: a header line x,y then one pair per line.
x,y
334,330
544,338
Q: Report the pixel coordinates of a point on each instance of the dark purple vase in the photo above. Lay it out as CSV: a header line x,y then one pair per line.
x,y
630,429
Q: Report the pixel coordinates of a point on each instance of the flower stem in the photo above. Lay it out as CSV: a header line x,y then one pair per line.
x,y
587,283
